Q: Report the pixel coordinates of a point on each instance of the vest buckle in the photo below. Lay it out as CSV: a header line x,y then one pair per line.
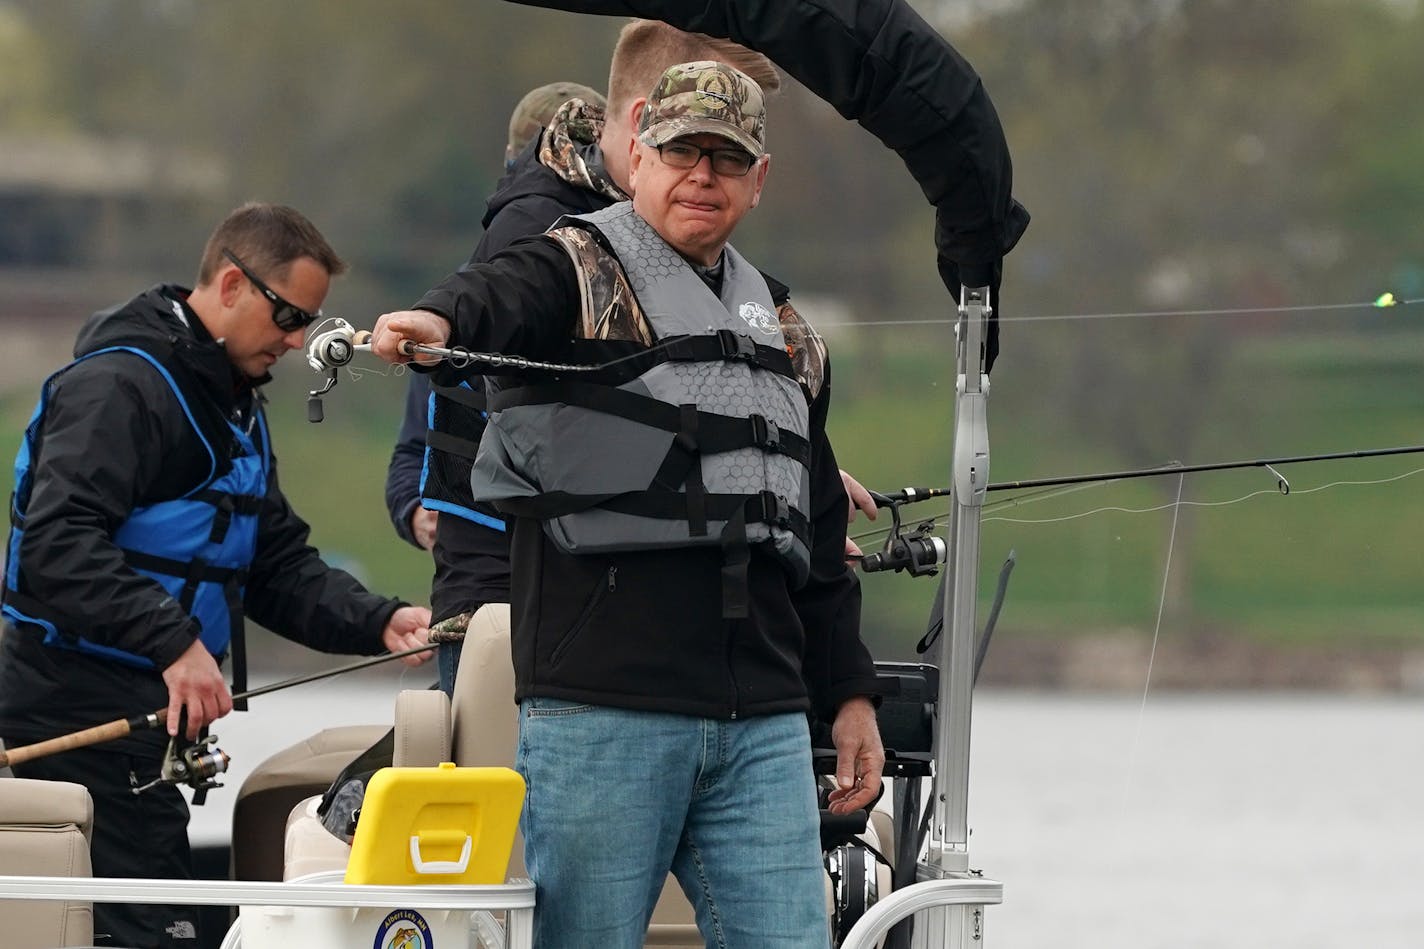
x,y
766,434
736,345
774,510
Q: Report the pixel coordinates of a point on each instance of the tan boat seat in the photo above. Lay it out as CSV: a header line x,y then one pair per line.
x,y
276,795
280,783
45,828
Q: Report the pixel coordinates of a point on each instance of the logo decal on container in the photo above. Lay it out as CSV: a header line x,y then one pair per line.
x,y
403,929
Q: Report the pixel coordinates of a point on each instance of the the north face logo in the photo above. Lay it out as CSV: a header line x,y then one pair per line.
x,y
758,318
182,929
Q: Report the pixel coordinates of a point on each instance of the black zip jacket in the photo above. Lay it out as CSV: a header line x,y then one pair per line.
x,y
115,438
645,629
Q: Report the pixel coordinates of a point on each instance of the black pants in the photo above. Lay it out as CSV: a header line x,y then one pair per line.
x,y
135,835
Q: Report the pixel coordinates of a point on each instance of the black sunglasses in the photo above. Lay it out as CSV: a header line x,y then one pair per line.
x,y
287,316
731,162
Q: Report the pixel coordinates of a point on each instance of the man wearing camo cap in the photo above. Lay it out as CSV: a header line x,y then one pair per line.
x,y
706,97
679,597
577,165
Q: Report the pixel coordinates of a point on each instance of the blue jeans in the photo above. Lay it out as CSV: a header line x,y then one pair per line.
x,y
617,798
447,662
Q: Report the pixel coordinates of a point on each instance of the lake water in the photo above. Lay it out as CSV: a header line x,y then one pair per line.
x,y
1198,820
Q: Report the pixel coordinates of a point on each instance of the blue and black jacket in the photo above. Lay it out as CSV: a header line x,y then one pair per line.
x,y
147,514
198,546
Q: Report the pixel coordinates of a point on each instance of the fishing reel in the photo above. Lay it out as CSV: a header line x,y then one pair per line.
x,y
333,344
918,552
197,765
854,887
848,857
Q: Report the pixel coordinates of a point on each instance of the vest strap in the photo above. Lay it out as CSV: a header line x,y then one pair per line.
x,y
245,504
763,507
737,510
188,570
462,395
715,432
451,444
728,345
237,639
736,559
686,444
190,585
227,505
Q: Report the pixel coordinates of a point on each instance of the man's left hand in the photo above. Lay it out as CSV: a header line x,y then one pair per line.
x,y
859,499
409,628
422,526
860,757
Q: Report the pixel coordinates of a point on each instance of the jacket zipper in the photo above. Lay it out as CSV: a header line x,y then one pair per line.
x,y
599,592
732,666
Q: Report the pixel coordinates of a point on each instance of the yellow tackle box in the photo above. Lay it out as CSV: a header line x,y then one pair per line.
x,y
436,825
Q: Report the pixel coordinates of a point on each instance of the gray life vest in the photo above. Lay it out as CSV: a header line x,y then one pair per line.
x,y
705,446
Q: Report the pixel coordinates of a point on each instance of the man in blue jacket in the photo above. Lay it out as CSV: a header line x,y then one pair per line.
x,y
148,523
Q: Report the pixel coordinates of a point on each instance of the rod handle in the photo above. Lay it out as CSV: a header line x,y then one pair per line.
x,y
89,736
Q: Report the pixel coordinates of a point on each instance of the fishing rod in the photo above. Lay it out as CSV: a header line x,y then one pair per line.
x,y
195,764
334,344
915,495
919,551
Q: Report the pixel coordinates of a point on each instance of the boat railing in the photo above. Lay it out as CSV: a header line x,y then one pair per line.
x,y
515,899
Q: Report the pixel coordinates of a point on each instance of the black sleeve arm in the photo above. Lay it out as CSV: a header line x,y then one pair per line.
x,y
408,459
529,216
112,435
523,301
880,63
837,665
292,591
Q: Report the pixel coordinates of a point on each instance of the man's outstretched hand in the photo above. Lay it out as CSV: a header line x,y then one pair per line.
x,y
418,326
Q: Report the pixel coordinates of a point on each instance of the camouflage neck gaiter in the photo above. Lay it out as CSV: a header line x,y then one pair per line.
x,y
569,149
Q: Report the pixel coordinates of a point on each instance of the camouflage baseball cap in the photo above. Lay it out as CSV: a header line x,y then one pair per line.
x,y
539,105
705,96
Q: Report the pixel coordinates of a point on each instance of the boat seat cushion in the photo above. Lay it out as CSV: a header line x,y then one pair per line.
x,y
45,827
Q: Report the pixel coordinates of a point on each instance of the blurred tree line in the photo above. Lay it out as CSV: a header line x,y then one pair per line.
x,y
1211,154
1220,153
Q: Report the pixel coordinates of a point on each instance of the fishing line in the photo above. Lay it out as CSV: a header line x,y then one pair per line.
x,y
1226,503
1049,495
1383,301
356,373
1152,653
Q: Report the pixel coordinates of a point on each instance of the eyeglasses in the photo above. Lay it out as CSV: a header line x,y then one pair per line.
x,y
732,162
287,316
